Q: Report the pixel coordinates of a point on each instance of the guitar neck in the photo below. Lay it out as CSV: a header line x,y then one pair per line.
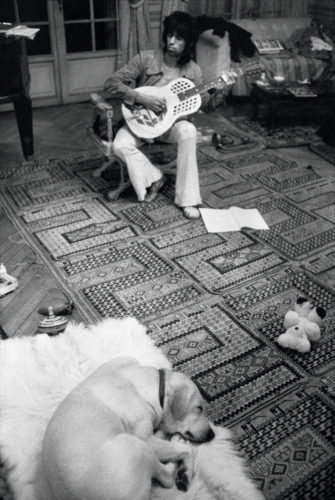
x,y
203,88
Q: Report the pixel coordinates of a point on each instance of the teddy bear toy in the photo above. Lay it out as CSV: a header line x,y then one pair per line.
x,y
302,326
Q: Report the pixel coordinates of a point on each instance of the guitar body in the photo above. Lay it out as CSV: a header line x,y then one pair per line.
x,y
147,124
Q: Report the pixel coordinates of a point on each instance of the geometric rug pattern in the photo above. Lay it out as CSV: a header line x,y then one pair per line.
x,y
213,302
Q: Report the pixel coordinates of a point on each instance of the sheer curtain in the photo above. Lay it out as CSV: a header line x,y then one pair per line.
x,y
169,6
139,37
215,8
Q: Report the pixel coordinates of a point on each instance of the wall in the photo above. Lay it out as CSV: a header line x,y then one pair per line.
x,y
323,10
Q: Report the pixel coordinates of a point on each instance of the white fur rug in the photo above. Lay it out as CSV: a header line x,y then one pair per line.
x,y
36,373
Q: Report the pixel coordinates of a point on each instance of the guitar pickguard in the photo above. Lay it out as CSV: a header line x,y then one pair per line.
x,y
143,116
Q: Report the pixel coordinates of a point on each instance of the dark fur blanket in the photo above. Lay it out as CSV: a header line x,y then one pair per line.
x,y
240,39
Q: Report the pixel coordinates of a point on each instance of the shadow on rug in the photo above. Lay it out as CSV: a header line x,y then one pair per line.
x,y
282,136
324,150
214,303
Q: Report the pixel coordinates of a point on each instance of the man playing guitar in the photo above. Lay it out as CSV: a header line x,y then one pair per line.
x,y
157,68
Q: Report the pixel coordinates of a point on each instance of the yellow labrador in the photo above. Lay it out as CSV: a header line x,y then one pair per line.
x,y
100,443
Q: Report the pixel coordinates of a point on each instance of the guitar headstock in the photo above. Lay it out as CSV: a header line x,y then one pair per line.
x,y
253,68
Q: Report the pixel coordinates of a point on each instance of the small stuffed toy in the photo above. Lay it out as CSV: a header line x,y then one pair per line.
x,y
302,326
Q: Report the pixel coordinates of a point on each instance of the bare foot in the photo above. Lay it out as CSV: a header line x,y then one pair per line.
x,y
191,212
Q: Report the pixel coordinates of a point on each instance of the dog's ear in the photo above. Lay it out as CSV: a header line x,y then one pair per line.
x,y
178,404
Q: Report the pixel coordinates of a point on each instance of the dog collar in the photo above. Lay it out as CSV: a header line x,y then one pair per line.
x,y
161,373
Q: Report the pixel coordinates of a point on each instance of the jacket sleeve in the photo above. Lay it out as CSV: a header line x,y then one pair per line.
x,y
121,84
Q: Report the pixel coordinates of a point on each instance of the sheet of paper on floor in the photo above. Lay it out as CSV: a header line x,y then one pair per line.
x,y
232,219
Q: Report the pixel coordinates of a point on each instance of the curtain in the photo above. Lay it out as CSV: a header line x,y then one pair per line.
x,y
237,9
269,8
215,8
169,6
139,28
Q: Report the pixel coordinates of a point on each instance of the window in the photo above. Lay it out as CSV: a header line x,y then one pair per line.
x,y
35,15
90,25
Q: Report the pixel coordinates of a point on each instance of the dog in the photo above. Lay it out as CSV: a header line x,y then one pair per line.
x,y
110,437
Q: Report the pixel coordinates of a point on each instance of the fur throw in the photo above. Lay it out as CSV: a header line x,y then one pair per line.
x,y
38,372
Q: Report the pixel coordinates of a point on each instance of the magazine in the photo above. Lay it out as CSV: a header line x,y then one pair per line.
x,y
301,91
268,46
232,219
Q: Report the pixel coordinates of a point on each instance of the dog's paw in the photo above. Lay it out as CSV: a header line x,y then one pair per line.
x,y
182,478
166,475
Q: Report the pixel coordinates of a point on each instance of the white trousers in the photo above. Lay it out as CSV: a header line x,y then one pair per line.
x,y
142,173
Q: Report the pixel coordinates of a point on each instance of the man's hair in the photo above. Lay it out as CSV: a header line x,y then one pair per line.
x,y
183,26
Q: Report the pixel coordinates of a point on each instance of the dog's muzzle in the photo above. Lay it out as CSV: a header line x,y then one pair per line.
x,y
207,437
210,435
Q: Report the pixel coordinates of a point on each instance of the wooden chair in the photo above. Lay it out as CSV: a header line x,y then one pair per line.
x,y
102,131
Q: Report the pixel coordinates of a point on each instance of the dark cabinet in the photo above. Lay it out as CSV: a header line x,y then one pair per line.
x,y
14,86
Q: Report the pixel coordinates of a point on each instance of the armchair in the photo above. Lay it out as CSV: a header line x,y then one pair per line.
x,y
102,131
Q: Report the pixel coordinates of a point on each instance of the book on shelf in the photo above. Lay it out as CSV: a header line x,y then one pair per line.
x,y
232,219
268,46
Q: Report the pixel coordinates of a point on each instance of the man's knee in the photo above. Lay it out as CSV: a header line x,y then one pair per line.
x,y
122,148
186,130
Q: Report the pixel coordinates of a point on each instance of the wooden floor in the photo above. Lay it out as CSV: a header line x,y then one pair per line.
x,y
58,131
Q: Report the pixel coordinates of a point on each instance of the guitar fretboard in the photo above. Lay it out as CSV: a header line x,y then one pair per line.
x,y
201,89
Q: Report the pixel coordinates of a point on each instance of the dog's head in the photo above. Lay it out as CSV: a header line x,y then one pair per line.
x,y
184,410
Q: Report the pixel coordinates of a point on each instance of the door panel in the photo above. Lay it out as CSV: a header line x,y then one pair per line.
x,y
76,49
88,45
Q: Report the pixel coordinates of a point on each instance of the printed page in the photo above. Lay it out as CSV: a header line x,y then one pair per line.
x,y
218,221
248,218
233,219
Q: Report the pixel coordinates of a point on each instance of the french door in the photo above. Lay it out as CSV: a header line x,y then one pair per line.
x,y
76,49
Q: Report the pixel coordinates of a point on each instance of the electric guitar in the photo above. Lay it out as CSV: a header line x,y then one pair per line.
x,y
182,98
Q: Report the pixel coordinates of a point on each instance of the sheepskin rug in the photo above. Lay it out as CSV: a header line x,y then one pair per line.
x,y
36,373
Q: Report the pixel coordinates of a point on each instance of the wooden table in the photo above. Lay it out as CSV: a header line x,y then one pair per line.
x,y
278,99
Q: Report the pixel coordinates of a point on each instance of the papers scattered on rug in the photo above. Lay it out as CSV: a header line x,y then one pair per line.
x,y
232,219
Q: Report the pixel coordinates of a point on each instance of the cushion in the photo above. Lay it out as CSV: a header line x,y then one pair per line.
x,y
213,64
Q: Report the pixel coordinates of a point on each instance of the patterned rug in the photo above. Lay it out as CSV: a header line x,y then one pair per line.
x,y
282,136
213,302
324,150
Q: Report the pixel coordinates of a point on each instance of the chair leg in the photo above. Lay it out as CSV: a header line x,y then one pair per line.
x,y
114,194
98,171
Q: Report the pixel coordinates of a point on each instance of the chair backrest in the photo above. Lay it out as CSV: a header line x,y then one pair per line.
x,y
101,126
